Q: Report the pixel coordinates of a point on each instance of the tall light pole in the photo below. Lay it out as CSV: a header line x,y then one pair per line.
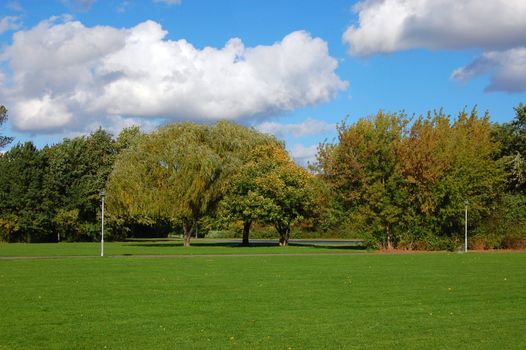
x,y
466,226
102,194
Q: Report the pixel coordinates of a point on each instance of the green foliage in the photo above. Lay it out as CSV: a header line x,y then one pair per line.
x,y
406,183
180,172
269,188
24,211
54,193
363,169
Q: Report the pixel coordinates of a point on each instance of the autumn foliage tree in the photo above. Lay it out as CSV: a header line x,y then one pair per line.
x,y
407,182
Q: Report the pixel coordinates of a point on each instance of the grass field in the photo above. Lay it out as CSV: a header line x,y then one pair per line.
x,y
361,301
168,247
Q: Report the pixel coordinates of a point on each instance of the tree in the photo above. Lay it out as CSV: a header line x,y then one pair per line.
x,y
24,215
290,188
270,188
364,170
76,173
407,184
181,172
243,200
512,141
4,140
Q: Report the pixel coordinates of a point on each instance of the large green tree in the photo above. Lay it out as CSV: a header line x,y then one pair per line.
x,y
180,172
24,209
270,188
363,169
76,174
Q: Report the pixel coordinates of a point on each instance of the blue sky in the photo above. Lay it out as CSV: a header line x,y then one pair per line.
x,y
293,68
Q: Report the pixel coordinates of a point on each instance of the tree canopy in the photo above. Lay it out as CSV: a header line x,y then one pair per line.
x,y
180,172
393,180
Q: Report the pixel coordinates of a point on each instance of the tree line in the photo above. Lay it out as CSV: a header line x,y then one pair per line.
x,y
390,179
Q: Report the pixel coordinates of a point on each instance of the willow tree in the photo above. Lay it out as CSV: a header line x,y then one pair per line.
x,y
180,172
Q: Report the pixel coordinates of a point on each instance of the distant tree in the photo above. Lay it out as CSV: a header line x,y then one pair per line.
x,y
180,172
4,140
128,137
408,183
76,174
291,191
243,200
364,170
270,188
511,138
24,215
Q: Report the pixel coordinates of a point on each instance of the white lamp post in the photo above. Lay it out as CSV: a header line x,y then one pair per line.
x,y
466,226
102,194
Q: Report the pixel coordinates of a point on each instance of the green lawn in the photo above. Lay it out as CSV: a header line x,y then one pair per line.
x,y
362,301
166,247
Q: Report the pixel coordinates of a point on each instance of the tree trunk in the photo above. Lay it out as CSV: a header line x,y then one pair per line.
x,y
390,245
284,234
187,232
246,231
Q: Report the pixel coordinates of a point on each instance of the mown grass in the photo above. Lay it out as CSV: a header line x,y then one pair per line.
x,y
364,301
166,247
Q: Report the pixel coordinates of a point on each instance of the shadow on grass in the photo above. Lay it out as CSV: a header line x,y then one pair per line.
x,y
253,244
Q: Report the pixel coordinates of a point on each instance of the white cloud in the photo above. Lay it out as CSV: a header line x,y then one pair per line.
x,y
169,2
495,26
70,76
304,155
392,25
308,127
8,23
507,70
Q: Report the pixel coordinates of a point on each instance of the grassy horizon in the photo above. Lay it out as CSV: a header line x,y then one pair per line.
x,y
377,301
166,247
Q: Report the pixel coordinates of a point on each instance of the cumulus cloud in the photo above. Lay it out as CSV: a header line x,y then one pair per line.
x,y
8,23
391,25
308,127
495,26
63,76
304,155
507,70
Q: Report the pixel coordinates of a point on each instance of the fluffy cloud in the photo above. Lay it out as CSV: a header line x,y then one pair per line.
x,y
9,23
65,76
495,26
391,25
507,70
308,127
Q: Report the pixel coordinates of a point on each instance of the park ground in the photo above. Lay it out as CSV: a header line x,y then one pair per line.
x,y
217,295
